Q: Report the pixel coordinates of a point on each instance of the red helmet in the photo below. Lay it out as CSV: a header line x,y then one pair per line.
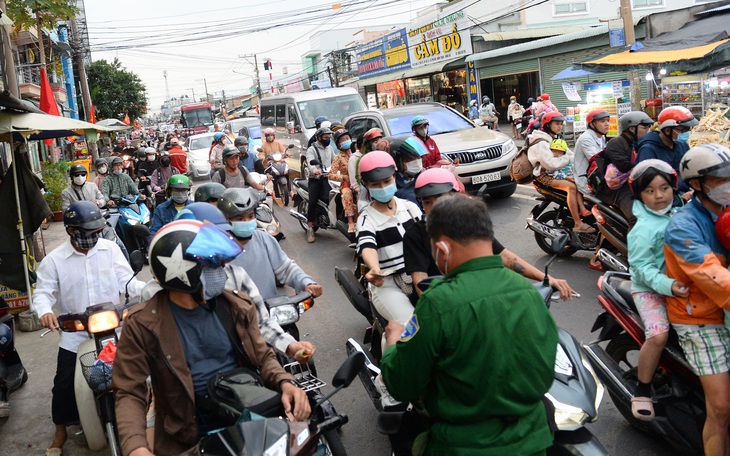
x,y
545,96
376,165
597,114
373,133
675,116
550,117
722,228
435,181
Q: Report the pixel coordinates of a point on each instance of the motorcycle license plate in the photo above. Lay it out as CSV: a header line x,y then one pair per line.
x,y
483,178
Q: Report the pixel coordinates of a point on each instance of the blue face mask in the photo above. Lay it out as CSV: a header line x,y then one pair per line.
x,y
244,230
345,145
384,194
683,137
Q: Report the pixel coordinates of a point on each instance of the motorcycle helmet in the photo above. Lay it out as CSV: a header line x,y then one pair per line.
x,y
373,133
375,166
676,116
181,249
722,229
705,160
633,119
485,99
240,141
101,162
418,121
204,212
6,337
559,144
435,181
238,201
177,181
174,142
406,147
318,121
323,131
545,96
549,117
530,100
339,134
165,159
336,126
596,114
150,151
218,136
644,172
84,215
269,132
230,151
209,192
77,170
115,161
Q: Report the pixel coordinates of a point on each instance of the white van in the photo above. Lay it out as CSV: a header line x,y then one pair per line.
x,y
292,115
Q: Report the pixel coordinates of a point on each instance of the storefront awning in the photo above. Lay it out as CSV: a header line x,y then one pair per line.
x,y
571,73
413,72
530,33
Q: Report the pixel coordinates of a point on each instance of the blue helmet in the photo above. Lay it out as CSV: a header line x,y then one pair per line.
x,y
6,337
84,215
218,136
318,121
205,212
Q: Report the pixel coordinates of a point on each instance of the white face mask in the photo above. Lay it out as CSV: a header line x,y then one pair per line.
x,y
423,131
151,158
79,180
103,169
117,171
414,167
661,211
720,194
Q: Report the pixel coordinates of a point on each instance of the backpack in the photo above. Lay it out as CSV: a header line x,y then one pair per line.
x,y
521,169
596,173
223,175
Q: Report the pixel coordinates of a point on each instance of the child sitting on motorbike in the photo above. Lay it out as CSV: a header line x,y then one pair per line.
x,y
652,183
559,148
544,160
340,173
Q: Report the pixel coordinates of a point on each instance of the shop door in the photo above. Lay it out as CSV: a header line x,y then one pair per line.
x,y
499,89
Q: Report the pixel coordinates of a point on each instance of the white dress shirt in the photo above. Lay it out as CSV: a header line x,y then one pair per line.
x,y
73,281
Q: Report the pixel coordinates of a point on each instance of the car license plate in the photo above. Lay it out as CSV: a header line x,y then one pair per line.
x,y
481,179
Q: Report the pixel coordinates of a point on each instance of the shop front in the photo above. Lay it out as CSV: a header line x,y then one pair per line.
x,y
500,88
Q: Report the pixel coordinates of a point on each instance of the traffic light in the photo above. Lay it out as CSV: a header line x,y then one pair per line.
x,y
267,65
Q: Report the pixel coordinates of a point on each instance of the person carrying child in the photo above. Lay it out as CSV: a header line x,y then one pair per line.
x,y
652,183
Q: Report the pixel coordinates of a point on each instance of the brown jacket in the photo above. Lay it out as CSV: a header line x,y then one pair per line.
x,y
150,346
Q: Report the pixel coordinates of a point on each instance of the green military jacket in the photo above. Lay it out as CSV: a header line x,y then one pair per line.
x,y
479,354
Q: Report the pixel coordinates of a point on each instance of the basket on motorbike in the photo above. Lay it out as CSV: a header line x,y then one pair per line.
x,y
304,377
98,373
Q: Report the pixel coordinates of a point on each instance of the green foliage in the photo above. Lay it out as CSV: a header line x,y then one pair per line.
x,y
55,176
116,91
22,12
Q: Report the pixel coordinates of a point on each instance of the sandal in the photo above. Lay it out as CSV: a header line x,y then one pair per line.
x,y
54,452
586,229
642,408
595,265
585,213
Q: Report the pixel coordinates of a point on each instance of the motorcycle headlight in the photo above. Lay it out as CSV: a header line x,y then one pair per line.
x,y
284,315
567,417
103,321
272,229
133,222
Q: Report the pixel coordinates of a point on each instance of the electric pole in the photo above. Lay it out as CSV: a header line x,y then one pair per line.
x,y
193,91
256,69
78,56
635,88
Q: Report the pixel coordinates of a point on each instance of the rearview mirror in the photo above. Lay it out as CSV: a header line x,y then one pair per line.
x,y
136,260
349,370
314,162
291,146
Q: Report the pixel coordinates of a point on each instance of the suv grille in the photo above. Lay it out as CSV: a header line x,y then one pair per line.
x,y
490,153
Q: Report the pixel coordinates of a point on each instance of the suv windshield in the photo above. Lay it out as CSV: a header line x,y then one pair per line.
x,y
335,108
440,120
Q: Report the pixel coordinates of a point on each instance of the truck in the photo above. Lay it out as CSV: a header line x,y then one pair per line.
x,y
198,116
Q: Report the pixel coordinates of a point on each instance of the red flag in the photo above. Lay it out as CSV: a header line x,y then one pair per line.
x,y
126,119
92,115
48,102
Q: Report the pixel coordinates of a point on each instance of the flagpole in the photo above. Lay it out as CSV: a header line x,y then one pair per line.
x,y
20,223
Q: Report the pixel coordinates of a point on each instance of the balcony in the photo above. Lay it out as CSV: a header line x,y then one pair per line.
x,y
59,92
29,81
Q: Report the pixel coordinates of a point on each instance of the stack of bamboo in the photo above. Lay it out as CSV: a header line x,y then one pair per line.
x,y
714,127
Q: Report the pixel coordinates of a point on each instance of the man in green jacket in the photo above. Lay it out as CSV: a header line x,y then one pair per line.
x,y
479,351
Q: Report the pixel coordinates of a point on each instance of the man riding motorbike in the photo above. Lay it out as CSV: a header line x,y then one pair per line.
x,y
80,189
592,141
233,174
118,184
248,160
178,196
322,154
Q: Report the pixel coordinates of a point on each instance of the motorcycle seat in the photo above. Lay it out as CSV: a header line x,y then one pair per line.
x,y
620,284
302,183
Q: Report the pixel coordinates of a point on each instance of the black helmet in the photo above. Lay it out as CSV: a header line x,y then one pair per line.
x,y
530,100
230,151
76,169
84,215
114,160
237,201
181,247
240,141
323,131
339,134
209,192
100,162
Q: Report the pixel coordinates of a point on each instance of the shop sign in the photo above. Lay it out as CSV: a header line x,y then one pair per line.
x,y
623,108
444,39
571,91
321,84
471,81
384,55
616,34
17,300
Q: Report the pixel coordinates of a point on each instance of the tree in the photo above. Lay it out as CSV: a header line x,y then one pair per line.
x,y
22,12
116,91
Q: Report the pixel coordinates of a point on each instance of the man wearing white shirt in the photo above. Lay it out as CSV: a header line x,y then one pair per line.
x,y
589,144
85,270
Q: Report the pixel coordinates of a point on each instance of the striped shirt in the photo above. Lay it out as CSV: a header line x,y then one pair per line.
x,y
384,233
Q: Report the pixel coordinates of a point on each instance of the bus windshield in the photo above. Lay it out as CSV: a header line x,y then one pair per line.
x,y
197,118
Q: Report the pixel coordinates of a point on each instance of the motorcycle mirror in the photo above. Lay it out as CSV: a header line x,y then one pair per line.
x,y
291,146
349,370
314,162
136,259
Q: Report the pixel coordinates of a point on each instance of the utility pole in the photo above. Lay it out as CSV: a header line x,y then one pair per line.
x,y
335,82
192,90
78,56
205,83
256,69
10,77
633,75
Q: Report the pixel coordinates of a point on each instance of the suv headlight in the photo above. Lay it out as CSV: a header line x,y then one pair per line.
x,y
508,148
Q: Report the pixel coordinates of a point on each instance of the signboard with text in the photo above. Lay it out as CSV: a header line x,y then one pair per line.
x,y
384,55
443,39
472,81
17,300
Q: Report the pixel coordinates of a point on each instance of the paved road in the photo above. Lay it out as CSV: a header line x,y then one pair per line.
x,y
328,325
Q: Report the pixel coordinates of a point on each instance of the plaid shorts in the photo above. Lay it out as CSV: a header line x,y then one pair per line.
x,y
707,347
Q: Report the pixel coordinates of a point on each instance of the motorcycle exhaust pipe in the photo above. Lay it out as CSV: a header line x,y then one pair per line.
x,y
608,371
298,216
543,229
610,260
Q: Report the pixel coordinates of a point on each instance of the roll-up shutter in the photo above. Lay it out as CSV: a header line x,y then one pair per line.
x,y
502,69
554,64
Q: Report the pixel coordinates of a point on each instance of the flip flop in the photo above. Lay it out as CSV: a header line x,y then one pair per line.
x,y
642,408
586,229
54,452
597,266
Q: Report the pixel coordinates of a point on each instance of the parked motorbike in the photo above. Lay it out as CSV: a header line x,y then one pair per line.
x,y
134,221
574,396
12,373
679,403
329,215
275,436
93,377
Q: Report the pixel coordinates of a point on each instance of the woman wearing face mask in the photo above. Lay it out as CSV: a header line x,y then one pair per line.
x,y
340,173
419,126
408,154
102,170
161,175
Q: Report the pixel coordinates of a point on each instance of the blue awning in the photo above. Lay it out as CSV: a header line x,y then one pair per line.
x,y
571,73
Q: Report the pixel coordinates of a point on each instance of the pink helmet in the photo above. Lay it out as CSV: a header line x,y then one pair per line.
x,y
269,131
376,165
435,181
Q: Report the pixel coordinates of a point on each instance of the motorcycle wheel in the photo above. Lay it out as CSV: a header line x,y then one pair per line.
x,y
284,193
302,209
554,219
333,444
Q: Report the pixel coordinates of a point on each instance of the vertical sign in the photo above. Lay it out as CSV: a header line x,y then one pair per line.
x,y
471,81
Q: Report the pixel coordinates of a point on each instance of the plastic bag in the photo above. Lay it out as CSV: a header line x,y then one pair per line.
x,y
615,178
108,353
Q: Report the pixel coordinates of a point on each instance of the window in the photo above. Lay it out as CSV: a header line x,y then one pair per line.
x,y
571,8
358,127
648,3
292,115
267,115
440,121
281,116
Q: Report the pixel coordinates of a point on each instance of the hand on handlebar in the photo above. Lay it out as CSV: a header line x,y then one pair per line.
x,y
566,292
50,321
315,289
296,403
111,203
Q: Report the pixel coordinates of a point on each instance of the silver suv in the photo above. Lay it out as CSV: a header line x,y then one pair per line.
x,y
484,155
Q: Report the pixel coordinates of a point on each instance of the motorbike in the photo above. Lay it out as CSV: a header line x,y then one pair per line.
x,y
679,403
265,217
144,184
93,376
133,223
278,168
128,164
275,436
109,232
613,252
329,215
12,372
572,401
